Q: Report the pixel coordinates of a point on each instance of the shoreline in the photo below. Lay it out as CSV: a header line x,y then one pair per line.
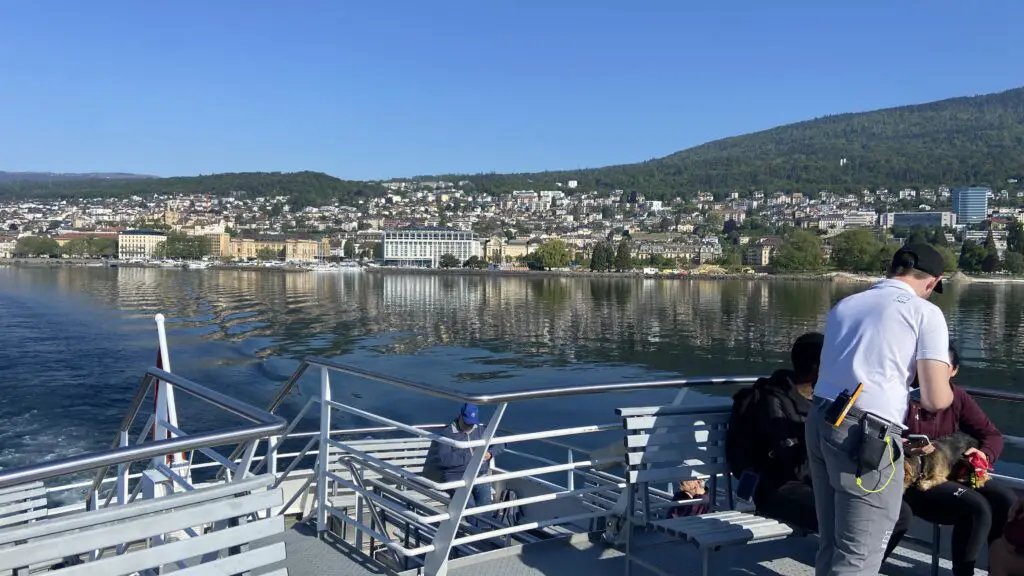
x,y
832,276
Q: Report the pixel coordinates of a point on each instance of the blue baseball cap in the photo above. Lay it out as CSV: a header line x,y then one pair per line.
x,y
470,414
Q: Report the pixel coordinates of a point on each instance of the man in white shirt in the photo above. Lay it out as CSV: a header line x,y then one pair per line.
x,y
880,339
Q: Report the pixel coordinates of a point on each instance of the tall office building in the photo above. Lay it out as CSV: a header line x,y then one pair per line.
x,y
970,204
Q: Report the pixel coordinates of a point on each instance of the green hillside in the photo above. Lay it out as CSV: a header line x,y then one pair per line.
x,y
973,140
304,188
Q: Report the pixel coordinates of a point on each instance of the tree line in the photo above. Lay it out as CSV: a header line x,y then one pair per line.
x,y
45,247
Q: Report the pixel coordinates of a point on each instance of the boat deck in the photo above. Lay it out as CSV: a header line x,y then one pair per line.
x,y
308,556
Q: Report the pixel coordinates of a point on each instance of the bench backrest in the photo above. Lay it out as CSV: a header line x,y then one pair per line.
x,y
22,503
667,444
225,507
407,453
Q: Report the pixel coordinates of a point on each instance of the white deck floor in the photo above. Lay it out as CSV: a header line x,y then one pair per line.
x,y
308,556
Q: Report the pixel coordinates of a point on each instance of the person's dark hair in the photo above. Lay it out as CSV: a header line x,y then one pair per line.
x,y
806,353
954,356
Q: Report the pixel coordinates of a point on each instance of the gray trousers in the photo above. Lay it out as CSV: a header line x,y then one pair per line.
x,y
854,522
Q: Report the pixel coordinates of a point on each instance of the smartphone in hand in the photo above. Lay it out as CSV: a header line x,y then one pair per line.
x,y
917,441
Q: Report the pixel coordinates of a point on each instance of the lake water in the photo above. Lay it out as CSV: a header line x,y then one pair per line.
x,y
74,342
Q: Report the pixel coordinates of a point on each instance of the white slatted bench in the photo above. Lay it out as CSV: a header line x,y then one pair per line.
x,y
666,444
22,503
407,453
226,508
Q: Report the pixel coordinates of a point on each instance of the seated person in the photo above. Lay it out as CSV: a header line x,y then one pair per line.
x,y
446,463
774,441
689,490
976,514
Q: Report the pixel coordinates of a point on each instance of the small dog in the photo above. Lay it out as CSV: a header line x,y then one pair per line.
x,y
930,470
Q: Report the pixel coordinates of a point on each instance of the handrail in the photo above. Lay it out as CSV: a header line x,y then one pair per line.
x,y
994,394
521,395
557,391
264,424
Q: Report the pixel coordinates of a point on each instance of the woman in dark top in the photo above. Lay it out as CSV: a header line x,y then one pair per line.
x,y
976,514
689,490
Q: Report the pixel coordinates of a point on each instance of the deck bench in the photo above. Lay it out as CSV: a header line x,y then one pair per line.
x,y
22,504
657,439
235,542
668,444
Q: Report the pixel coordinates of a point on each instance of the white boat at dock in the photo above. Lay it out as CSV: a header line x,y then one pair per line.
x,y
356,501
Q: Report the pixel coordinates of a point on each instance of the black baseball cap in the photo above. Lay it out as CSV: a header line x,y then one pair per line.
x,y
923,257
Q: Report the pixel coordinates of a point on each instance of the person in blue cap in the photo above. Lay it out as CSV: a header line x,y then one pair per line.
x,y
446,463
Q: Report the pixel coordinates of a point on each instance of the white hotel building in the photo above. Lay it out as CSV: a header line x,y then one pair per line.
x,y
425,246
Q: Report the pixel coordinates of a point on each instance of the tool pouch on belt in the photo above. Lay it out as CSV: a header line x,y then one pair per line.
x,y
869,451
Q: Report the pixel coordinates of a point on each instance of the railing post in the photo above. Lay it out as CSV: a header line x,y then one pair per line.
x,y
271,462
272,454
121,487
122,475
571,482
93,505
436,562
325,434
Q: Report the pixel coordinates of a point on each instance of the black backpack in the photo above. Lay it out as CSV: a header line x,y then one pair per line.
x,y
741,446
512,515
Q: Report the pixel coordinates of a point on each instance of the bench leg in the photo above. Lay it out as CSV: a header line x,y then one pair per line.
x,y
936,548
705,561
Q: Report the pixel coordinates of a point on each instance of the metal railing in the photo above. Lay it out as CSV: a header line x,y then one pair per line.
x,y
446,527
264,424
450,529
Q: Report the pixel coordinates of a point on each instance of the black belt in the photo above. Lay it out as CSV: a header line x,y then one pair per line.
x,y
855,414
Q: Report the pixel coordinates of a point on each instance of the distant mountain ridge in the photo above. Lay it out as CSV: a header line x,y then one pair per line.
x,y
967,140
67,176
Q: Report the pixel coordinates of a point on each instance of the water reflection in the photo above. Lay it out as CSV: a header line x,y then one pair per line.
x,y
246,330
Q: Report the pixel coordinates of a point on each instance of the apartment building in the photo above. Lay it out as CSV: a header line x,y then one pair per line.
x,y
138,243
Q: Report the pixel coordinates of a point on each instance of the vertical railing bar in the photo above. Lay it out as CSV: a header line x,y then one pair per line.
x,y
321,471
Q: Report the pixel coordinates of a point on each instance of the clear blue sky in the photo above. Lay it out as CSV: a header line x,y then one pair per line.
x,y
379,88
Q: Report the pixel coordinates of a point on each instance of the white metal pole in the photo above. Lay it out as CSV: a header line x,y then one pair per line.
x,y
325,435
166,408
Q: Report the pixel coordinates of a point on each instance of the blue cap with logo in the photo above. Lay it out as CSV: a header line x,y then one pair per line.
x,y
470,414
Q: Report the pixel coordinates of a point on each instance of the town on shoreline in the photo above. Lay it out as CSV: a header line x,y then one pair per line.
x,y
565,231
579,273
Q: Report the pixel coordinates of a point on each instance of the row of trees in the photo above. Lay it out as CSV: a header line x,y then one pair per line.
x,y
43,247
862,251
605,257
182,247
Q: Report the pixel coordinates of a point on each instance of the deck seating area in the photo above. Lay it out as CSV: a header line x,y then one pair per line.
x,y
657,440
217,529
667,444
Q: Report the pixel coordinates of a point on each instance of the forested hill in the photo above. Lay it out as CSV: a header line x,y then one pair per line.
x,y
972,140
303,188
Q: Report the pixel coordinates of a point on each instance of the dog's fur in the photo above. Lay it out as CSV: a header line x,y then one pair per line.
x,y
930,470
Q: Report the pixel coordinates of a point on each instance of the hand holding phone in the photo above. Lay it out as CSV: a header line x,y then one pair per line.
x,y
918,441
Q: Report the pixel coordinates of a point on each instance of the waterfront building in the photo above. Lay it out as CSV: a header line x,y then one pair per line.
x,y
760,253
924,219
425,246
287,249
138,243
970,204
